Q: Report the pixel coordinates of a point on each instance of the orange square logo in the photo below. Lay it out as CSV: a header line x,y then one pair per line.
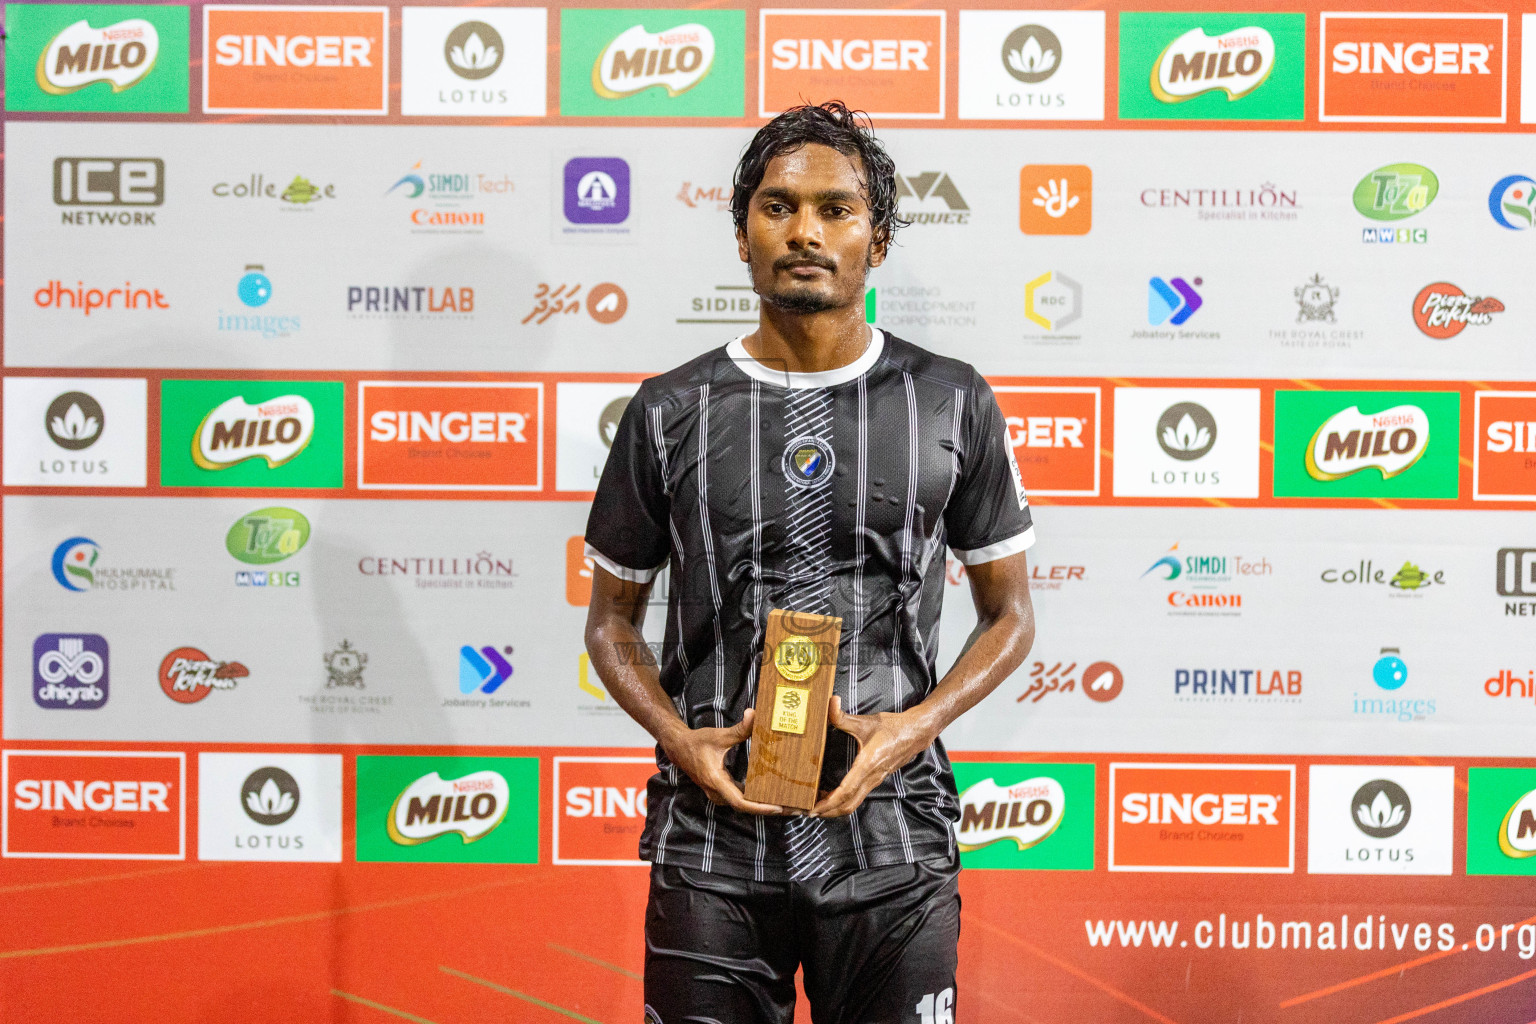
x,y
1504,446
600,805
450,437
94,805
1054,433
1055,199
1413,67
889,63
295,60
578,573
1202,817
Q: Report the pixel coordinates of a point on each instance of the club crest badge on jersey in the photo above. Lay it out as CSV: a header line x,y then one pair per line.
x,y
808,461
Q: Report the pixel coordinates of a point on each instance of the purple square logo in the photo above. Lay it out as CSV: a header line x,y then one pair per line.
x,y
69,670
596,190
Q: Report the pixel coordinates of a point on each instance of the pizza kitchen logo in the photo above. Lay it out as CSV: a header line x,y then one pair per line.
x,y
1442,310
276,430
470,807
1350,441
188,675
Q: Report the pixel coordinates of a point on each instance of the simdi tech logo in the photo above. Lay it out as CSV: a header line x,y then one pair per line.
x,y
1419,67
272,59
1026,816
1367,444
448,809
889,63
600,808
652,63
1212,66
106,58
233,433
1202,817
1504,446
1501,821
448,436
136,801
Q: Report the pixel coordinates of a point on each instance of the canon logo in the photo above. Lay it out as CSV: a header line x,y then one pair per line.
x,y
850,54
1204,809
98,795
293,51
1412,58
494,427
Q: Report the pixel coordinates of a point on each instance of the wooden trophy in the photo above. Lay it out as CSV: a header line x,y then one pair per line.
x,y
794,687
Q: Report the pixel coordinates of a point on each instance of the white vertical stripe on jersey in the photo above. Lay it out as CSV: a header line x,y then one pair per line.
x,y
861,490
901,589
754,449
653,420
718,704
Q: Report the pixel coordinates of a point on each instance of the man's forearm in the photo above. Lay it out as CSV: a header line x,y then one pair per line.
x,y
634,682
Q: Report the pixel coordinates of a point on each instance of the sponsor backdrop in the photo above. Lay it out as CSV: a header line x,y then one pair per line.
x,y
318,323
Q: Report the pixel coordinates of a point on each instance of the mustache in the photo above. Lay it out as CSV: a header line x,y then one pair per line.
x,y
808,259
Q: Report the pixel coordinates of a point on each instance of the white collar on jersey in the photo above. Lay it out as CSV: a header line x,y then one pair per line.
x,y
737,353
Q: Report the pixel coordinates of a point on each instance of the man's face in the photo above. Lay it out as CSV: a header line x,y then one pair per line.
x,y
808,240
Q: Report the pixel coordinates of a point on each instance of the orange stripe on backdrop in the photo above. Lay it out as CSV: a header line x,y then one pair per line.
x,y
1455,1000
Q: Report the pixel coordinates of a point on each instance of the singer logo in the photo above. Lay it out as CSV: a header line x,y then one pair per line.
x,y
295,60
1504,446
1202,817
890,63
94,804
1412,67
1054,433
428,436
600,809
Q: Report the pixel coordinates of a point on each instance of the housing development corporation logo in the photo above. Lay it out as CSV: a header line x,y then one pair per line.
x,y
1366,444
1380,819
1202,817
94,804
230,433
96,57
1397,67
1212,66
650,63
295,60
1442,310
1035,65
891,62
70,670
437,809
425,435
1022,815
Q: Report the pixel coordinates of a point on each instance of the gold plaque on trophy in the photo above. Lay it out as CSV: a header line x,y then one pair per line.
x,y
794,687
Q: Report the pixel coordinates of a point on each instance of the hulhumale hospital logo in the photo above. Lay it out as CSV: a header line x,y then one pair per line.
x,y
1512,202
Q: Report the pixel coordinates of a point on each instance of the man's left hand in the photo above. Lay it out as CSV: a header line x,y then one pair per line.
x,y
886,742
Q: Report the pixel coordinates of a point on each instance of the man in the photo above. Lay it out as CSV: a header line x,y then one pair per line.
x,y
815,465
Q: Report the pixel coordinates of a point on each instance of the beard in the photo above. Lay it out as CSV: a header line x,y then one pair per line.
x,y
801,299
806,298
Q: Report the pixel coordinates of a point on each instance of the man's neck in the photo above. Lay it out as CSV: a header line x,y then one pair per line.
x,y
808,343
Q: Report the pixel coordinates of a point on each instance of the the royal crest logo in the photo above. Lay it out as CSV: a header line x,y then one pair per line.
x,y
1026,812
188,674
1442,310
471,806
676,59
275,430
808,462
120,54
344,666
1349,441
1235,63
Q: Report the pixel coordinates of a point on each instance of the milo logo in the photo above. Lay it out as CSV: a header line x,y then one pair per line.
x,y
1026,812
1349,441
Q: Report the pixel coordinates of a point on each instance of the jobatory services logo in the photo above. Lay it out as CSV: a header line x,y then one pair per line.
x,y
77,567
1202,817
473,61
1055,199
94,805
269,807
70,671
1512,202
1401,67
1380,819
1054,433
105,190
600,808
483,669
1206,584
188,674
1392,193
1210,66
1366,444
652,63
233,433
1501,821
1503,446
1101,681
75,432
1032,65
586,421
448,809
1026,816
276,59
1172,301
1442,310
440,436
889,63
105,58
1187,442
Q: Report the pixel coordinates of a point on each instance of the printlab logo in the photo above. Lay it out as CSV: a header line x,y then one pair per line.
x,y
188,674
74,421
1442,310
1173,301
1381,808
1101,681
69,670
1218,67
1186,431
1512,202
96,57
1031,54
596,190
483,669
113,190
919,189
269,796
1055,199
1392,193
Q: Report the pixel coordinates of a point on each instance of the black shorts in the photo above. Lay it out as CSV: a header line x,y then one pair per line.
x,y
878,946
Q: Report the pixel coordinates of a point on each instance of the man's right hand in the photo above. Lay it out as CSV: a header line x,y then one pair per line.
x,y
701,754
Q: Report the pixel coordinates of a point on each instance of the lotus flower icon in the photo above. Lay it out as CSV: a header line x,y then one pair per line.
x,y
1031,53
270,796
1186,436
75,425
473,50
1381,813
269,800
474,54
1382,808
1031,58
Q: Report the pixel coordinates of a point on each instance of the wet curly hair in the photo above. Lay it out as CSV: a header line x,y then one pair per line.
x,y
828,124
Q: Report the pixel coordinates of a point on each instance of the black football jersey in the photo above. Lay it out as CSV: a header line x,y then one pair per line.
x,y
835,493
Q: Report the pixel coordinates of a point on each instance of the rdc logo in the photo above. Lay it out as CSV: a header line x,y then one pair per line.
x,y
69,670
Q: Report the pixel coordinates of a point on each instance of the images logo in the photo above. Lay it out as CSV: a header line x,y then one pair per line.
x,y
1442,310
892,61
1172,301
1202,817
1412,67
69,670
1055,199
254,289
267,535
232,433
450,436
1396,192
1229,67
1512,202
1031,816
187,675
650,63
437,809
484,669
74,421
295,60
96,57
135,804
1504,446
597,190
1326,442
1054,433
1501,821
83,181
1390,673
601,806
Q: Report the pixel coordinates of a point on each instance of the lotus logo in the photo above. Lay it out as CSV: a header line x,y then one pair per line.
x,y
74,420
676,59
608,420
1026,812
269,796
1381,808
1031,53
1186,431
473,50
1349,441
1517,832
471,806
1235,63
120,54
276,430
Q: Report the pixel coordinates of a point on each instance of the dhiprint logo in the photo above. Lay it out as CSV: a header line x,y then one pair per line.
x,y
1512,202
274,59
1504,446
1186,431
74,421
275,431
473,50
69,670
1380,820
919,189
808,462
893,62
1235,63
58,295
120,55
1392,67
1031,53
1173,301
1032,65
1055,199
85,181
1349,441
1382,808
675,60
1025,816
269,796
188,674
1026,813
483,670
1442,310
597,190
